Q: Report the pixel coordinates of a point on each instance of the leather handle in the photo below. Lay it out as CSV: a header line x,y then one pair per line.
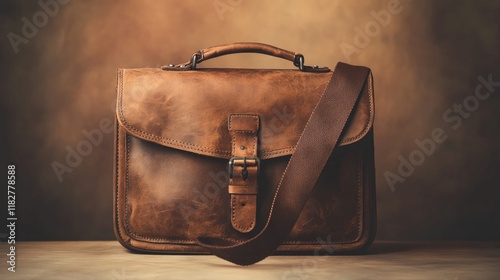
x,y
248,47
245,47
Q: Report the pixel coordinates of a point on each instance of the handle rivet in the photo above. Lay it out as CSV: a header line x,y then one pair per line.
x,y
243,147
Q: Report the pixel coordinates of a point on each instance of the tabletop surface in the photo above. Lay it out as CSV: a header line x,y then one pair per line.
x,y
385,260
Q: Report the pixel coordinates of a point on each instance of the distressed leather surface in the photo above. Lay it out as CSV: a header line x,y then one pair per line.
x,y
172,146
188,110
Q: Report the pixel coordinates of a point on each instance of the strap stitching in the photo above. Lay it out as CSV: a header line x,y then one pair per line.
x,y
286,168
254,135
367,127
233,216
245,116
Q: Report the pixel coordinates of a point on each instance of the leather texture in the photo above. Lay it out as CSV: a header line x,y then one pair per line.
x,y
176,130
189,110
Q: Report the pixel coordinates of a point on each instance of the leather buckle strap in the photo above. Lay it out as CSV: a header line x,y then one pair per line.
x,y
243,170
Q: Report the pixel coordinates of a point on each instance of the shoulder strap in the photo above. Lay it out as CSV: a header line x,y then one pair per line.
x,y
313,149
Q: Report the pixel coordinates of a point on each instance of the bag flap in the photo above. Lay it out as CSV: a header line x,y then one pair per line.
x,y
189,110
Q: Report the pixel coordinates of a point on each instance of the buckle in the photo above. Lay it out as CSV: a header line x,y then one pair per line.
x,y
247,161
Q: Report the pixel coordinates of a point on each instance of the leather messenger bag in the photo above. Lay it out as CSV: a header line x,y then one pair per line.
x,y
244,163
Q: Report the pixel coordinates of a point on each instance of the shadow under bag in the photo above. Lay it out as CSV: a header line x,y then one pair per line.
x,y
242,163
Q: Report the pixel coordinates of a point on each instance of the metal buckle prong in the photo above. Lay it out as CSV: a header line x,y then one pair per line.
x,y
244,172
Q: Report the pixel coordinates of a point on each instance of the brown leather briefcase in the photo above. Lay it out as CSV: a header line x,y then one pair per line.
x,y
242,163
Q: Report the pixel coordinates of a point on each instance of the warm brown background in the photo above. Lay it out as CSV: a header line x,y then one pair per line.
x,y
427,58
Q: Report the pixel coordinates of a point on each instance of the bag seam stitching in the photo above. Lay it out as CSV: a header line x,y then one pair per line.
x,y
212,151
